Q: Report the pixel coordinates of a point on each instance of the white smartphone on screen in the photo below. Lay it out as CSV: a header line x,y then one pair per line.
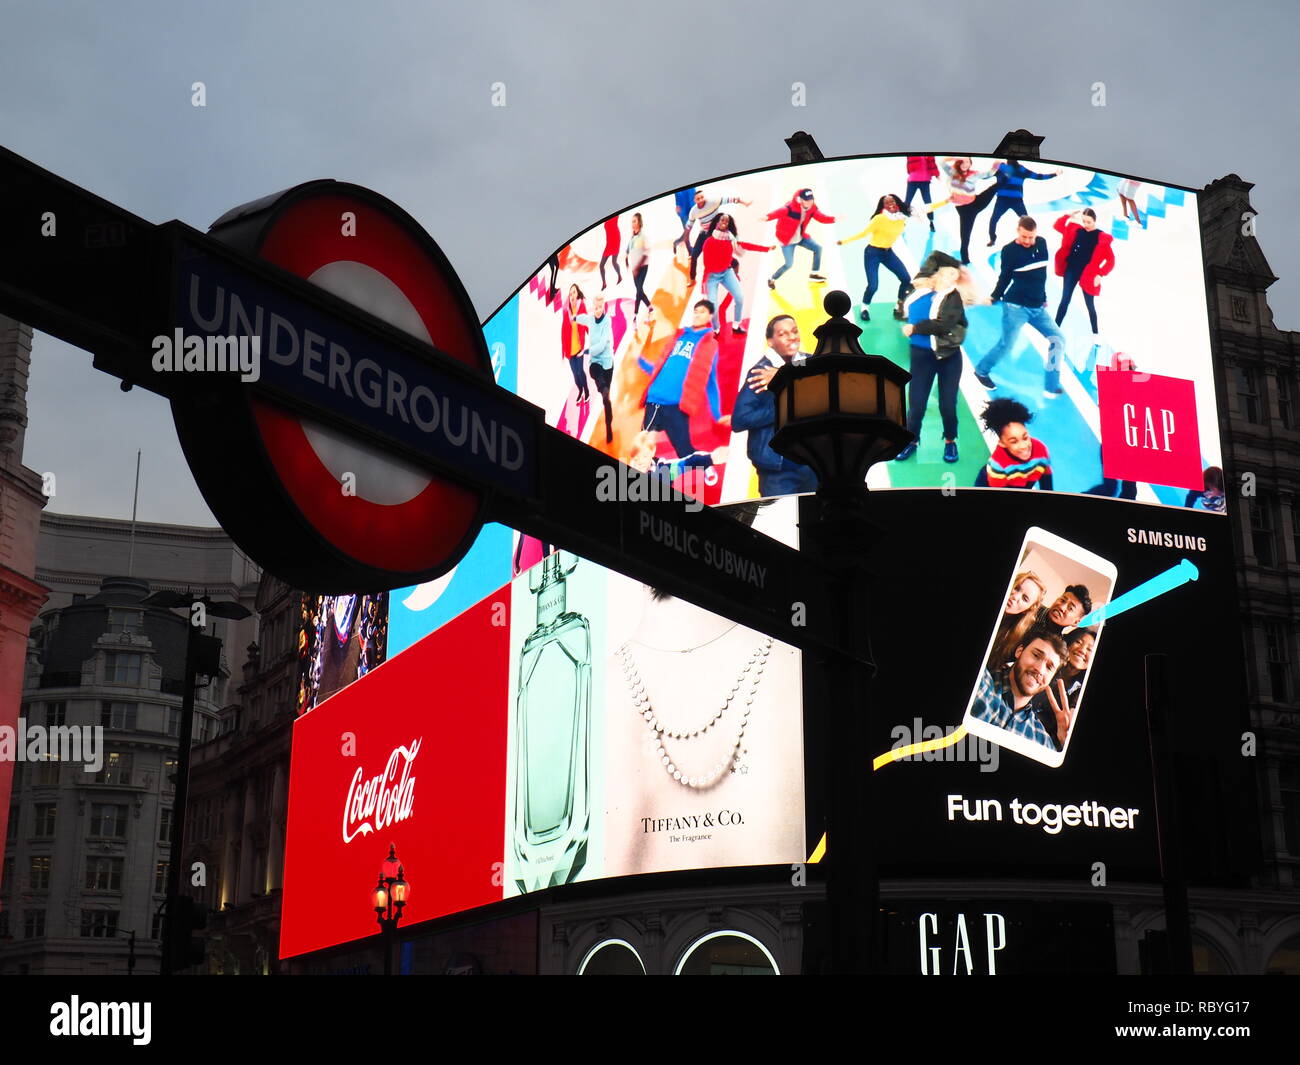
x,y
1028,696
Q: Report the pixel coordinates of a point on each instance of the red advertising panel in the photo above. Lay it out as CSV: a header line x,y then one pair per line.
x,y
414,757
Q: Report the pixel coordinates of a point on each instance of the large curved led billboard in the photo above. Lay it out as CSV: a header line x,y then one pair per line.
x,y
1074,352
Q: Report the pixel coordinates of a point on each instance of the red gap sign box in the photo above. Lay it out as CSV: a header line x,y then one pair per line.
x,y
1148,429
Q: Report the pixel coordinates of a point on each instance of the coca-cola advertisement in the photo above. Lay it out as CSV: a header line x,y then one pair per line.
x,y
414,758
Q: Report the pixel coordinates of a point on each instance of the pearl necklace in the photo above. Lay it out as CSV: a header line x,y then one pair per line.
x,y
641,702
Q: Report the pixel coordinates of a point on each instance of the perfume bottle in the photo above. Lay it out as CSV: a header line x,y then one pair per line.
x,y
552,815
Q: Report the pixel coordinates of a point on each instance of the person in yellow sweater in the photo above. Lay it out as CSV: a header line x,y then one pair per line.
x,y
886,226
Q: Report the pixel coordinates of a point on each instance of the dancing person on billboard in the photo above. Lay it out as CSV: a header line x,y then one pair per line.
x,y
701,216
721,253
1019,460
1085,256
637,259
600,346
1011,177
887,224
612,240
921,170
554,263
573,339
1022,290
966,194
1019,615
936,324
1127,193
1005,695
755,414
685,378
792,221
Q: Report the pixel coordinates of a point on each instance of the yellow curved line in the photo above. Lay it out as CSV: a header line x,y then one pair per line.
x,y
819,851
919,748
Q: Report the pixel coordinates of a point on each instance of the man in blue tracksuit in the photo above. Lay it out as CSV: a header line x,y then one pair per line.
x,y
755,413
1010,189
1022,290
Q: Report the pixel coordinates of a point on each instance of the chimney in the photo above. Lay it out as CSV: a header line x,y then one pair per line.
x,y
1019,144
803,149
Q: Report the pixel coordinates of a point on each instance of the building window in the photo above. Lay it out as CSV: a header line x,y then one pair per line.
x,y
613,957
1262,534
38,878
56,714
1286,398
117,768
99,924
46,816
108,819
11,826
123,669
160,878
170,768
124,621
1289,779
120,716
1295,529
1278,657
728,953
33,924
6,874
173,723
46,773
1240,309
1248,393
165,826
103,874
156,926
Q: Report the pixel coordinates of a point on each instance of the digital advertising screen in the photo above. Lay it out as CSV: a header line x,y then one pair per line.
x,y
1008,712
1052,316
572,724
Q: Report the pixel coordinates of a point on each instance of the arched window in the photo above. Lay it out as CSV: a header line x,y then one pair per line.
x,y
613,957
1286,959
728,953
1208,960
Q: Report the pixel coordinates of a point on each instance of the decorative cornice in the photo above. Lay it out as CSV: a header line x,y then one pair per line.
x,y
21,593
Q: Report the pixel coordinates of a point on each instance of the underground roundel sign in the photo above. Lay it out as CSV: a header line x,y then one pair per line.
x,y
323,509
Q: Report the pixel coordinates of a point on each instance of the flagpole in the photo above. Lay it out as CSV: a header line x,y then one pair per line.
x,y
130,558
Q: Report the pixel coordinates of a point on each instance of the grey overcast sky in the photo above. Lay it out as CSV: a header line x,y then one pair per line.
x,y
606,104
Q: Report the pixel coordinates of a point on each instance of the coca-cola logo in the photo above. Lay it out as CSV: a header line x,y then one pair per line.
x,y
385,798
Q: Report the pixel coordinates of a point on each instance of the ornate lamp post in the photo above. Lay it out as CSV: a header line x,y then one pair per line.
x,y
389,898
840,412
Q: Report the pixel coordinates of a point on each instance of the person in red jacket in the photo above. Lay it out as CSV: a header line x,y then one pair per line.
x,y
921,170
1084,258
792,222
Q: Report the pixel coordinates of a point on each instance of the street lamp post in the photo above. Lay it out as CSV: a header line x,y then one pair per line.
x,y
194,658
389,898
840,412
